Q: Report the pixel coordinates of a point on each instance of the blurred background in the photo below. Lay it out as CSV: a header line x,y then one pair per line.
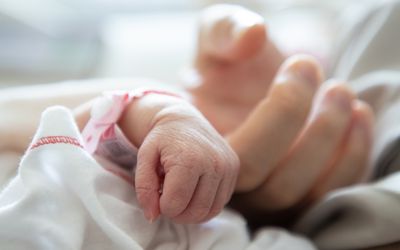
x,y
45,41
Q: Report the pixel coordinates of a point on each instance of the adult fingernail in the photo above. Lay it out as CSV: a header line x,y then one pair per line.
x,y
339,96
227,24
303,69
244,22
364,118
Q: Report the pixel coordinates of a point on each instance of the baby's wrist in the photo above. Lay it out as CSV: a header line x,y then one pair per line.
x,y
151,110
176,112
131,111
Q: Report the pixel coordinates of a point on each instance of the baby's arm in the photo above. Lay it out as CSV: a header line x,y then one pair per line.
x,y
179,153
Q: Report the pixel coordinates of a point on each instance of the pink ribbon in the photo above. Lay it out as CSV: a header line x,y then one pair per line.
x,y
103,127
100,128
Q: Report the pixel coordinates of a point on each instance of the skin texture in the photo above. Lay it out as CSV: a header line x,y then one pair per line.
x,y
181,154
241,86
297,136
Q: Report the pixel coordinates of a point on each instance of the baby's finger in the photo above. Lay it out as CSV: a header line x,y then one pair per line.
x,y
179,186
202,200
269,131
351,166
224,193
314,150
147,181
230,32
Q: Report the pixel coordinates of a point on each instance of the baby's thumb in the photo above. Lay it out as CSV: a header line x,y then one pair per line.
x,y
230,33
147,179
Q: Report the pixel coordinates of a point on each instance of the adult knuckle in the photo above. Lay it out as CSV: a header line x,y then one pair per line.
x,y
291,102
326,125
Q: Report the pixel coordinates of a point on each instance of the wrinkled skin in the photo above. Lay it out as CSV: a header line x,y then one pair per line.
x,y
185,171
198,169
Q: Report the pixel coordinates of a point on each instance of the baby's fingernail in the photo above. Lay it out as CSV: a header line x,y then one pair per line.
x,y
151,220
150,216
303,69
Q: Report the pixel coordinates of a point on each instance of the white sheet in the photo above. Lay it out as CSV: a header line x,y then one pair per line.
x,y
364,216
368,215
62,198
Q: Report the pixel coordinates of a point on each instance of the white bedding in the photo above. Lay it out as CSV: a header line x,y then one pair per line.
x,y
82,206
62,198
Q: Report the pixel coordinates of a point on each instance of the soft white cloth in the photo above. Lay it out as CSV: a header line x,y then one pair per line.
x,y
359,217
62,198
368,215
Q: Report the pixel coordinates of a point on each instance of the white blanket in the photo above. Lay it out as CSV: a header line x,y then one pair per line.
x,y
368,215
82,206
62,198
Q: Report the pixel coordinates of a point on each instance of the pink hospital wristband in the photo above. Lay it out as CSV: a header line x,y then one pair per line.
x,y
102,135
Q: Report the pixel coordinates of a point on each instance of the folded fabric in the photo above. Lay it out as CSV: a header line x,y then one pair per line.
x,y
368,215
63,198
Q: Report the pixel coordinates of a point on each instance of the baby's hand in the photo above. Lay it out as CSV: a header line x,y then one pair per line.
x,y
186,171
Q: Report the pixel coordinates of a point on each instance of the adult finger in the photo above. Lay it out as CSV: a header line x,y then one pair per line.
x,y
315,149
230,33
352,164
268,132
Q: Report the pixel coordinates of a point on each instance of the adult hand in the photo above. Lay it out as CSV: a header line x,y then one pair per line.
x,y
292,147
235,65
